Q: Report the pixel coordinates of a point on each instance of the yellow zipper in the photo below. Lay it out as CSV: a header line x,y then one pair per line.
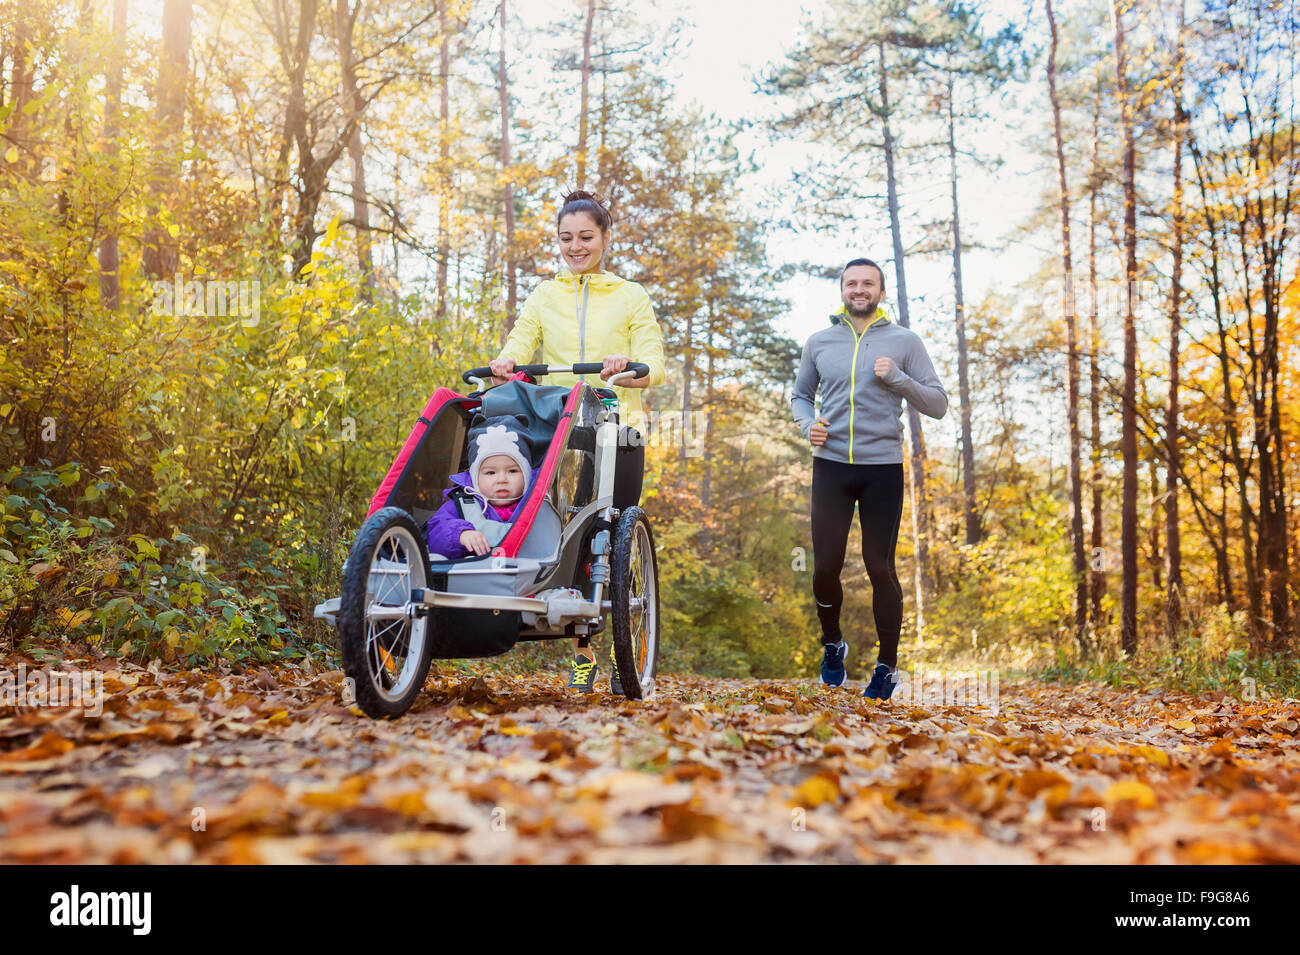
x,y
853,383
853,374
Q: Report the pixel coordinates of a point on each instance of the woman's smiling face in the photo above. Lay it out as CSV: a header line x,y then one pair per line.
x,y
581,242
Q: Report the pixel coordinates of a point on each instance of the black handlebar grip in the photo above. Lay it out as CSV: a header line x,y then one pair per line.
x,y
531,370
638,369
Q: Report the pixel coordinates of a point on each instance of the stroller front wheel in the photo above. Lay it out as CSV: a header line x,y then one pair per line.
x,y
386,653
634,600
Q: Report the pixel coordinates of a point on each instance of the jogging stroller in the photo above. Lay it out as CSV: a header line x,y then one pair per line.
x,y
578,551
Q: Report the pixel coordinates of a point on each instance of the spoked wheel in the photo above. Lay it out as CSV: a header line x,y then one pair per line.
x,y
386,649
634,595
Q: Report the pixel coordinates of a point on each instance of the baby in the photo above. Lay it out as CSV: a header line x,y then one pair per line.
x,y
476,512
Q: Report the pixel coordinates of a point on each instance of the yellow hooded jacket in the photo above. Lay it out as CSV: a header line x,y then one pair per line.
x,y
581,318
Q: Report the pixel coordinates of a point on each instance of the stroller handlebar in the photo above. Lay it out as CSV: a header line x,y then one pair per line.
x,y
638,370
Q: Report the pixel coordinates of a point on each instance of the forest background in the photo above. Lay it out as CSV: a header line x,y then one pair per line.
x,y
243,240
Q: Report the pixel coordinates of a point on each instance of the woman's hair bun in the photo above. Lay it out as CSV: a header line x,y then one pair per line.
x,y
582,201
578,194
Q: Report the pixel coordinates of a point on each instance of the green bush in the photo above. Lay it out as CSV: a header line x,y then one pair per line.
x,y
76,576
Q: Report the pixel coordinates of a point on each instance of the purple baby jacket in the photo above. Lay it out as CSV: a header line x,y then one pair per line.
x,y
443,530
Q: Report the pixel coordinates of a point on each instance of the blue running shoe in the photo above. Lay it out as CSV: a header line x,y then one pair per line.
x,y
615,684
833,663
882,683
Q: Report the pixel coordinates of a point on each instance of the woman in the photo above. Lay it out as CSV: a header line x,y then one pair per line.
x,y
586,314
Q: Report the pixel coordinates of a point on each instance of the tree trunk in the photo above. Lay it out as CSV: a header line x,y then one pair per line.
x,y
602,151
1229,596
1153,538
1272,496
1227,374
920,528
160,253
444,156
1128,434
344,23
508,188
20,80
1098,564
1267,227
313,170
706,486
688,335
963,371
109,288
78,51
1173,543
1072,358
586,80
301,132
688,373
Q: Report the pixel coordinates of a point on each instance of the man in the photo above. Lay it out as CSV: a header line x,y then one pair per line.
x,y
865,366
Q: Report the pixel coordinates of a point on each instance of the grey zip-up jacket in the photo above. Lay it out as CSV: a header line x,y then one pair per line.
x,y
863,414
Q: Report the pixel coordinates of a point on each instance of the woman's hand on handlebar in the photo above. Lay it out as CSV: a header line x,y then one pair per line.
x,y
502,368
613,364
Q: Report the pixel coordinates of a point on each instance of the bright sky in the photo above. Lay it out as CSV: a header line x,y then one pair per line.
x,y
729,40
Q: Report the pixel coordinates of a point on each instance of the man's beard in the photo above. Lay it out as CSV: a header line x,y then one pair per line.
x,y
861,313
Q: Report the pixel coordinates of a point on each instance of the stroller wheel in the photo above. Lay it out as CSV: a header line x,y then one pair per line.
x,y
386,652
634,596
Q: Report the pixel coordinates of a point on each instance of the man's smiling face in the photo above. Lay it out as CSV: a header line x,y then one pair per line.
x,y
862,288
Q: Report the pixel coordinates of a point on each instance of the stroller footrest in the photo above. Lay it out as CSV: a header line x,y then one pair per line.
x,y
559,605
441,598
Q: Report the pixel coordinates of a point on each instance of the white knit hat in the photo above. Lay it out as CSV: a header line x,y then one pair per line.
x,y
497,439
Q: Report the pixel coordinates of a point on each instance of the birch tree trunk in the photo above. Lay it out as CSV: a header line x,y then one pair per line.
x,y
507,187
586,82
1173,543
109,287
1128,434
345,19
1072,357
1098,564
963,371
920,514
444,157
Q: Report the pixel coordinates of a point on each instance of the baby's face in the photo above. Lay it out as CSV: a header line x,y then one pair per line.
x,y
500,479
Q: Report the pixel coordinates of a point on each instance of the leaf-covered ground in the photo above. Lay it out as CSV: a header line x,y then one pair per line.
x,y
192,767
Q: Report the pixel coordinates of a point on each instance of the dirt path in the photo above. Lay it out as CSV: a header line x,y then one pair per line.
x,y
254,768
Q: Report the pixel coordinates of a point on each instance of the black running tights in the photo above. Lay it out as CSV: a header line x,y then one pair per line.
x,y
877,491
